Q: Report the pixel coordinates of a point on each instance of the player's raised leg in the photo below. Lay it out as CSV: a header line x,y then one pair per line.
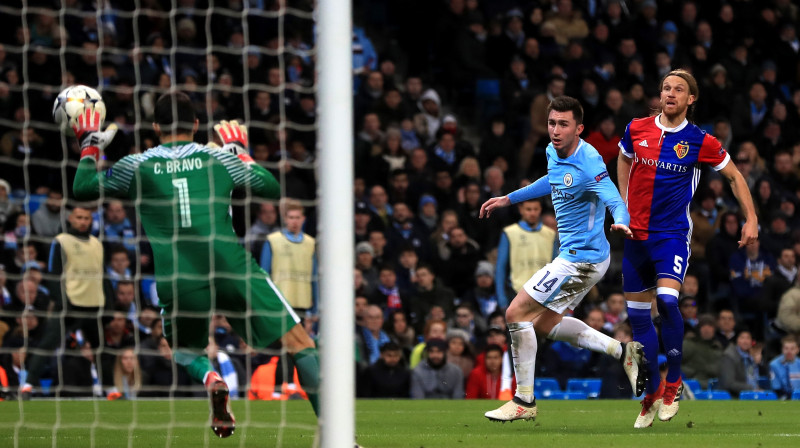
x,y
579,278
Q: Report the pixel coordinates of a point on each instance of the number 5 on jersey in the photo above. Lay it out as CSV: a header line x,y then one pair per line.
x,y
183,201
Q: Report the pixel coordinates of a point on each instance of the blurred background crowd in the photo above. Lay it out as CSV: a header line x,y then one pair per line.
x,y
449,110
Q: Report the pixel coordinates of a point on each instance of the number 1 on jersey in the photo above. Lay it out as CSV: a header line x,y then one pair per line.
x,y
183,200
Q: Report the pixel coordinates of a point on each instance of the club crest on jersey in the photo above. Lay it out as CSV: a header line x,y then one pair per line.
x,y
568,179
681,149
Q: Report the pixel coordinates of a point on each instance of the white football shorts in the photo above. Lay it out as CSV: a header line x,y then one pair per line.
x,y
562,284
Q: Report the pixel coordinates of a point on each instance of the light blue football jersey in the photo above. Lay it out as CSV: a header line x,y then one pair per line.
x,y
581,189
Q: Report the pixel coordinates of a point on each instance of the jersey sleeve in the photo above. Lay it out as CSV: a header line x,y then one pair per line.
x,y
249,175
537,189
712,153
626,144
601,185
115,181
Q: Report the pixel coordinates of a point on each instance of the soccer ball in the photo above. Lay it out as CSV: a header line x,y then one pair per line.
x,y
71,103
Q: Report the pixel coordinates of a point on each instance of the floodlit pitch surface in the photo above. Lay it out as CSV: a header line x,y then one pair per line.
x,y
402,423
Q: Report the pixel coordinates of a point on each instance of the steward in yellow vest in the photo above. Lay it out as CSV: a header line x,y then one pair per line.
x,y
524,248
289,257
77,288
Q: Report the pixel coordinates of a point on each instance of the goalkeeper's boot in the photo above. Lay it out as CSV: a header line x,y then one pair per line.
x,y
25,391
516,409
633,363
672,398
222,422
650,406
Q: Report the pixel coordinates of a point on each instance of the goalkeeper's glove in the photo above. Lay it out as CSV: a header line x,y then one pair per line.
x,y
234,139
92,139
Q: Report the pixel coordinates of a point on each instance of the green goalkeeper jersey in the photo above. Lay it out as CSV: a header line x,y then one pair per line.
x,y
182,192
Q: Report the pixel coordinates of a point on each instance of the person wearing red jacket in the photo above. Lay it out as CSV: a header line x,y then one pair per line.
x,y
485,379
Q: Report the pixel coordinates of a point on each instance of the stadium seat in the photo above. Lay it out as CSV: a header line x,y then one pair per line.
x,y
796,395
693,385
713,383
589,386
544,387
567,396
712,395
758,395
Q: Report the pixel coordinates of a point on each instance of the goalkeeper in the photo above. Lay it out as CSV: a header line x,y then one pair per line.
x,y
182,191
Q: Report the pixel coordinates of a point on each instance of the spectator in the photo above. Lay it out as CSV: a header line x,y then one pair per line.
x,y
364,263
427,216
434,377
720,250
750,267
614,311
740,365
403,231
266,222
290,258
46,221
373,334
7,207
457,260
788,318
127,376
427,122
726,327
155,361
785,369
525,247
429,293
485,380
605,139
483,297
688,308
702,352
118,267
406,268
568,23
388,377
117,228
388,295
460,350
776,285
400,332
434,329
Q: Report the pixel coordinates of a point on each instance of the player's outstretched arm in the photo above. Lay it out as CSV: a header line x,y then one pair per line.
x,y
742,193
256,178
537,189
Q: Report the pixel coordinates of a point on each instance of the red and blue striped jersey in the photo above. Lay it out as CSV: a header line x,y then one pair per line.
x,y
665,172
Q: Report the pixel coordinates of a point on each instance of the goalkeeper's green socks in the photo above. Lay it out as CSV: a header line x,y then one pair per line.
x,y
307,363
197,366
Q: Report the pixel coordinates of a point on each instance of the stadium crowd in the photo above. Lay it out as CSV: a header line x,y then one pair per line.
x,y
449,104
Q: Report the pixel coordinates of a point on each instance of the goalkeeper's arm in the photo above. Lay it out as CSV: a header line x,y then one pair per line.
x,y
88,182
257,179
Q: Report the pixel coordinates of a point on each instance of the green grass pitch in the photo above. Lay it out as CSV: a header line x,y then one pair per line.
x,y
400,423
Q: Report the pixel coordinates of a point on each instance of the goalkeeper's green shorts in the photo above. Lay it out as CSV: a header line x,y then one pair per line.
x,y
243,292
